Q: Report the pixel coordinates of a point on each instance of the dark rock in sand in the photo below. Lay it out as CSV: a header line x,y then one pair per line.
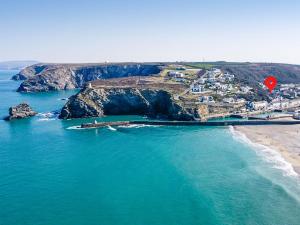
x,y
20,111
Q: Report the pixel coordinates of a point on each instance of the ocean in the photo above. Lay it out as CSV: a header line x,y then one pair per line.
x,y
52,173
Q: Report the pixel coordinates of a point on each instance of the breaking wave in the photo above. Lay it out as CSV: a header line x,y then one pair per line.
x,y
48,116
75,128
137,126
268,154
111,128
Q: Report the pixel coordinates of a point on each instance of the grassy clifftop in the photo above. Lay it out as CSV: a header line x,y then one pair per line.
x,y
251,73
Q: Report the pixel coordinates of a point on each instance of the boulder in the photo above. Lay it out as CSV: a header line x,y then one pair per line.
x,y
20,111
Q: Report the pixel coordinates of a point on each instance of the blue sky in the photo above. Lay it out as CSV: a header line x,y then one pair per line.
x,y
131,30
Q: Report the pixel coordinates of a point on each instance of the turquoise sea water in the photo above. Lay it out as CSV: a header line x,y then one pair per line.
x,y
54,174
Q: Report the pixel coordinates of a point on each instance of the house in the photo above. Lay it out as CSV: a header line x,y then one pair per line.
x,y
245,89
219,92
228,100
180,68
222,79
202,80
206,99
228,77
211,80
288,86
180,79
224,87
217,71
175,74
211,75
296,116
294,103
261,105
275,104
196,88
240,101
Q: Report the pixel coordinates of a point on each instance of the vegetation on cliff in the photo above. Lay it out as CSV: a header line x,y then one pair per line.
x,y
131,96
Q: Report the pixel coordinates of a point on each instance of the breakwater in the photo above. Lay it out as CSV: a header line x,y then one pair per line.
x,y
194,123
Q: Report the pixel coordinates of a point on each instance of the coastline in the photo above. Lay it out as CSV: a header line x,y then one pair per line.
x,y
284,139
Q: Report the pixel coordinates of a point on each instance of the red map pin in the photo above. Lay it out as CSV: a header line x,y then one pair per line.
x,y
271,83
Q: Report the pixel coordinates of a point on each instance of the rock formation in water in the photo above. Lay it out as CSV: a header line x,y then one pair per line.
x,y
48,77
125,101
20,111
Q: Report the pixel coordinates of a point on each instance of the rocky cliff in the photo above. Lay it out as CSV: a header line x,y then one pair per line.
x,y
20,111
125,101
48,77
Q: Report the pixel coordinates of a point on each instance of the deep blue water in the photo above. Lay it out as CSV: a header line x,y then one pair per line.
x,y
51,173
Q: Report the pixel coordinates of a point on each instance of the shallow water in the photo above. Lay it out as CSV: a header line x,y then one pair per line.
x,y
53,173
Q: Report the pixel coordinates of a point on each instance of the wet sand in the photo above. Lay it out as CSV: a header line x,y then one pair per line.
x,y
283,138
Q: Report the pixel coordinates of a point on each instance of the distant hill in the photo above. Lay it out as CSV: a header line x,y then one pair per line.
x,y
254,73
251,73
49,77
16,65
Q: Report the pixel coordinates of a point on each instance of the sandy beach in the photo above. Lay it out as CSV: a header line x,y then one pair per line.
x,y
283,138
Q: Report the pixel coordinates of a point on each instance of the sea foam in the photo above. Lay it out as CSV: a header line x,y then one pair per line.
x,y
47,116
75,128
137,126
268,154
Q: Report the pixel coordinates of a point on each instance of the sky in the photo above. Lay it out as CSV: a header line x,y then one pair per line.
x,y
157,30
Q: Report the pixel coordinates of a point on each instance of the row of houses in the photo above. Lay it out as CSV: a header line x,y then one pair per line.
x,y
214,79
275,104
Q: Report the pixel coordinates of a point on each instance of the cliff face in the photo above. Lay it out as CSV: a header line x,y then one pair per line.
x,y
43,77
124,101
29,71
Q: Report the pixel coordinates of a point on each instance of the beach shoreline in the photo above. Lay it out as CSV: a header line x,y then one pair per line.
x,y
284,139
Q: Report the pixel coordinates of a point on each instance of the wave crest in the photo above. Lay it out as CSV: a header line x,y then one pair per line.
x,y
268,154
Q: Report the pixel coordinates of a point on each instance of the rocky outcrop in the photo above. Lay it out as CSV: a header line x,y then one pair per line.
x,y
125,101
29,71
20,111
48,77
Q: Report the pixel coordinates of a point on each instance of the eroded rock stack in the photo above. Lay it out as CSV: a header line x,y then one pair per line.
x,y
20,111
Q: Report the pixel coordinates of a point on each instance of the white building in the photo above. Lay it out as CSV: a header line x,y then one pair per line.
x,y
176,74
202,80
211,80
275,105
179,79
245,89
206,99
196,88
262,105
240,101
228,77
224,87
294,103
228,100
219,92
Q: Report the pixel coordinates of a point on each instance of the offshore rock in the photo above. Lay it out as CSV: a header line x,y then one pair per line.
x,y
20,111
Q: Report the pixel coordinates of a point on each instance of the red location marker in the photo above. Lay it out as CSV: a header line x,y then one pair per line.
x,y
271,83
